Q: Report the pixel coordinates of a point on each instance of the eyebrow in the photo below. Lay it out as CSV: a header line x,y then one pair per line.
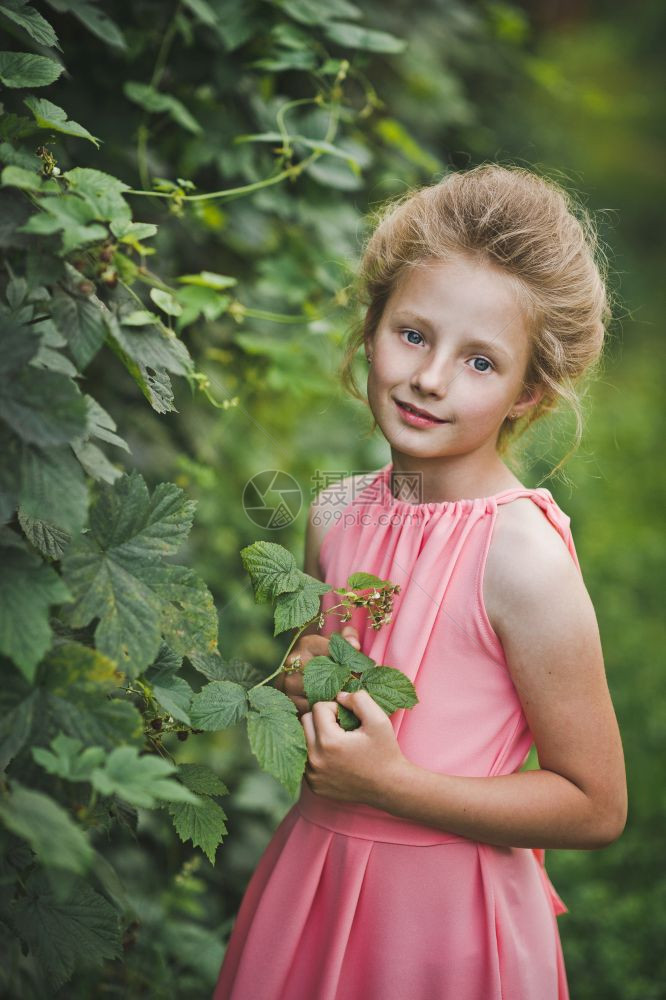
x,y
475,342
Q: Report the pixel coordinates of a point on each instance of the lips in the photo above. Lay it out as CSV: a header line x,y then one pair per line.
x,y
418,411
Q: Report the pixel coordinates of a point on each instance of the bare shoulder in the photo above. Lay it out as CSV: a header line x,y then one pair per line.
x,y
324,512
529,569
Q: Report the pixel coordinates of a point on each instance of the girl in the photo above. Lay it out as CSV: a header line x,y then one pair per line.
x,y
411,867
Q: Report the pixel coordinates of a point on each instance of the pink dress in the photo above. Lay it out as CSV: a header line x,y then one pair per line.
x,y
349,902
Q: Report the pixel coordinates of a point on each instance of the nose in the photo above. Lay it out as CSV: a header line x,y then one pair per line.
x,y
432,377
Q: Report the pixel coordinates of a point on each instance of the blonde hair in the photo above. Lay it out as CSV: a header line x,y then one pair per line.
x,y
534,230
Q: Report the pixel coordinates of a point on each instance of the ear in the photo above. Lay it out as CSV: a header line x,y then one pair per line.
x,y
528,398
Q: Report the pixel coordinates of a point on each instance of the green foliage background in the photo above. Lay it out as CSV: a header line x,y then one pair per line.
x,y
260,133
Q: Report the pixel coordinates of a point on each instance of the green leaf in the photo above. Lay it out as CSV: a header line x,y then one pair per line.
x,y
117,573
140,780
272,569
348,721
18,345
52,834
155,101
344,653
68,759
365,581
102,192
82,322
295,609
323,678
95,462
152,347
173,693
268,701
208,279
21,13
50,116
53,488
166,302
218,705
101,425
15,727
202,11
196,302
19,177
390,688
212,666
203,824
43,407
93,18
21,69
314,12
278,742
66,929
27,588
47,538
354,36
201,779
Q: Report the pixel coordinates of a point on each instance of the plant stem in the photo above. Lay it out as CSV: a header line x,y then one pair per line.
x,y
293,643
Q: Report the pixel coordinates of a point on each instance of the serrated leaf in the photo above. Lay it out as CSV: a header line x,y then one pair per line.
x,y
47,538
272,570
268,701
117,573
18,344
278,742
27,589
314,12
96,719
344,653
174,694
212,666
153,347
102,192
140,780
292,610
390,688
95,462
52,834
50,116
42,407
218,705
204,824
82,323
201,779
21,13
22,69
323,678
53,488
65,930
156,101
68,758
101,425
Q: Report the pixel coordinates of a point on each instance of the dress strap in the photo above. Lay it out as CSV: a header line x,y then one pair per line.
x,y
544,499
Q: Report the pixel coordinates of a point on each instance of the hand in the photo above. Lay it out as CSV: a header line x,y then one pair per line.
x,y
307,647
356,766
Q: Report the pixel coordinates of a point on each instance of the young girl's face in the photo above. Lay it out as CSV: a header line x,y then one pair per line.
x,y
453,341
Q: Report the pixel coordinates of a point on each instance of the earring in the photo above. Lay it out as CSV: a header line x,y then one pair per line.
x,y
369,359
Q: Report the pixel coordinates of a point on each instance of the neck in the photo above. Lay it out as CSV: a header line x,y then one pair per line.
x,y
437,480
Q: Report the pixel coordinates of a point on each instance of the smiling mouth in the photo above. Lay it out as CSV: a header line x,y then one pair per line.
x,y
417,413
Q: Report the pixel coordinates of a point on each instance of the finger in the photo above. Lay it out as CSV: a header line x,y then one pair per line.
x,y
325,716
350,633
293,685
363,705
308,726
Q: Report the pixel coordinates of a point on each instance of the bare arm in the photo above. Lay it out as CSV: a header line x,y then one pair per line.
x,y
542,612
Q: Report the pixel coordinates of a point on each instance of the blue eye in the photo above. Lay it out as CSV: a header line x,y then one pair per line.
x,y
485,362
412,331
